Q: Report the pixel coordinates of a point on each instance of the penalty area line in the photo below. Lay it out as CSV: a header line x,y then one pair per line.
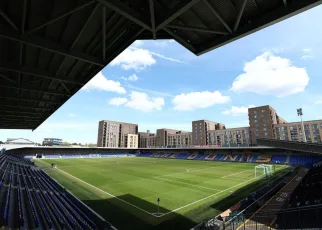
x,y
236,173
106,192
197,201
179,182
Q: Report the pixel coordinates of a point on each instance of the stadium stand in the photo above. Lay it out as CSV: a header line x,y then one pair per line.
x,y
30,199
306,160
309,192
303,160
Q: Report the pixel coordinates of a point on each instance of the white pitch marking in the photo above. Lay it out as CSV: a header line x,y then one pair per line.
x,y
189,184
157,177
205,198
236,173
188,170
140,162
183,172
106,192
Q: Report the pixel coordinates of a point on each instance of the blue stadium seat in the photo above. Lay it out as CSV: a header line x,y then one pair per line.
x,y
278,158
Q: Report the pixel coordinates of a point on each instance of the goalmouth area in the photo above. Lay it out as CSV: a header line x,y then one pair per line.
x,y
125,190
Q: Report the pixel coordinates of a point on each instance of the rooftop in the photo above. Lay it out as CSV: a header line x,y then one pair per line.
x,y
51,49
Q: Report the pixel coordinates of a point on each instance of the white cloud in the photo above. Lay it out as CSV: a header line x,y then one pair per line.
x,y
237,111
138,58
134,58
67,125
132,77
138,43
166,58
319,102
72,115
307,54
160,56
150,91
269,74
195,100
307,57
99,82
117,101
162,43
139,101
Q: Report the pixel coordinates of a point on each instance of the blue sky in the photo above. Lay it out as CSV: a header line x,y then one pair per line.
x,y
160,84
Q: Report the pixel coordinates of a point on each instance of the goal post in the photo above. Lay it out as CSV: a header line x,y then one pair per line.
x,y
264,170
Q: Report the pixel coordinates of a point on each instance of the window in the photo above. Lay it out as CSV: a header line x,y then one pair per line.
x,y
255,120
264,129
263,110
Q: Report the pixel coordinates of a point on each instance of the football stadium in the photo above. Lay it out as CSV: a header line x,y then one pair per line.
x,y
264,176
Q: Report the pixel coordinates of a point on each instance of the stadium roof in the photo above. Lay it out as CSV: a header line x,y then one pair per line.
x,y
51,49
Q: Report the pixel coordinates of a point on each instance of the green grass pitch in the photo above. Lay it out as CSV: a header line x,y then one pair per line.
x,y
125,190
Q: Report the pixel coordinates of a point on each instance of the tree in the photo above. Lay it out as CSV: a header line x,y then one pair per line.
x,y
66,144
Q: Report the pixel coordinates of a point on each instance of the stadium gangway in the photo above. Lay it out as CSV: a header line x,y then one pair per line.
x,y
6,209
3,176
32,207
44,210
21,217
39,201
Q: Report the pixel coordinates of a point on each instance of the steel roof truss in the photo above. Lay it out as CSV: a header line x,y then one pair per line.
x,y
49,46
50,21
125,11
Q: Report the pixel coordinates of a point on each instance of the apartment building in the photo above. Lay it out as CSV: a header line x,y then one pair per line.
x,y
147,139
114,133
180,138
234,137
264,122
293,131
261,122
131,141
200,131
162,136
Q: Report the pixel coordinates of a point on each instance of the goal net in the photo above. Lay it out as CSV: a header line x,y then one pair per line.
x,y
264,170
